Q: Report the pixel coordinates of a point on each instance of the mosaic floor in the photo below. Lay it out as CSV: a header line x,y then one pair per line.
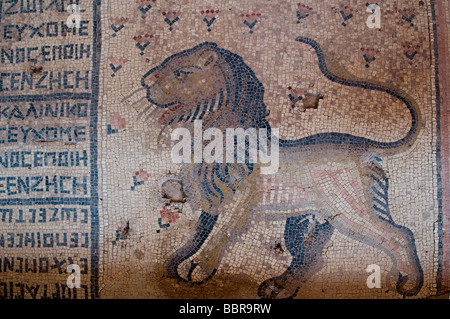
x,y
224,149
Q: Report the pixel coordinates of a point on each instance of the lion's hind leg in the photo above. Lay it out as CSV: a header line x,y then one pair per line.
x,y
362,213
305,239
410,278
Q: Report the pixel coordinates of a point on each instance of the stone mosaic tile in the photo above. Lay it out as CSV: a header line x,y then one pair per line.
x,y
116,163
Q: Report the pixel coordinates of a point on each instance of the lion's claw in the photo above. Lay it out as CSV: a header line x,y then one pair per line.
x,y
277,288
171,271
408,285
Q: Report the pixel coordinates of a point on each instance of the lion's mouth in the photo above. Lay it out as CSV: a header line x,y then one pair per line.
x,y
170,114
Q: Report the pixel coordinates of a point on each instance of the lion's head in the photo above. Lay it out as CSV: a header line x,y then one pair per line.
x,y
204,81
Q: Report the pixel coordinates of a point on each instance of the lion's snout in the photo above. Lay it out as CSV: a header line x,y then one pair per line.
x,y
158,95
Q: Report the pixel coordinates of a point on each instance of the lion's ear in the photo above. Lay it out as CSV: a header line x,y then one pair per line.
x,y
207,59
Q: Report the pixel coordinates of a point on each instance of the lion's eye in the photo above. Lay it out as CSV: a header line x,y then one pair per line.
x,y
182,74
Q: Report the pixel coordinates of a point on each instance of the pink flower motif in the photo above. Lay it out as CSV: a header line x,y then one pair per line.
x,y
171,14
409,48
296,92
143,38
118,122
168,216
304,8
142,175
144,2
369,52
117,61
407,12
118,21
209,13
251,17
347,10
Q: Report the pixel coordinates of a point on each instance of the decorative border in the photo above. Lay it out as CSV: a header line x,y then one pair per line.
x,y
97,30
442,139
91,201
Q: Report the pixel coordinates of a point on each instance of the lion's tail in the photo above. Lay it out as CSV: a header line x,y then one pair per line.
x,y
348,139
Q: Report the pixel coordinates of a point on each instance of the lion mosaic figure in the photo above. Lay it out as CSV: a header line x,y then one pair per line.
x,y
347,191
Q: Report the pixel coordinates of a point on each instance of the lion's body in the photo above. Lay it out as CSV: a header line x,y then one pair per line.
x,y
329,176
296,185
